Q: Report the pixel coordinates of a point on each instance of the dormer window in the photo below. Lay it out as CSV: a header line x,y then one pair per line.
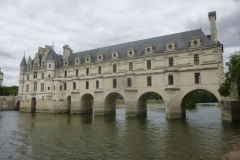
x,y
77,60
170,46
88,59
100,57
195,41
130,52
148,49
115,54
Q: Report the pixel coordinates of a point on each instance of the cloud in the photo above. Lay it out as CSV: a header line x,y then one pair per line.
x,y
26,25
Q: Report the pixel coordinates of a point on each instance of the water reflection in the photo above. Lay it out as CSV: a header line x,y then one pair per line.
x,y
202,135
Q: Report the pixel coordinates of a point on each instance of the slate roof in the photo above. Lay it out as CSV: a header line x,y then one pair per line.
x,y
52,55
23,62
181,40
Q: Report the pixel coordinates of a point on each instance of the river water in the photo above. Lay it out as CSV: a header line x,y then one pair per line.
x,y
201,135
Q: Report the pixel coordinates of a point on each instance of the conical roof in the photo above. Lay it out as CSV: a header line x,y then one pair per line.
x,y
23,63
52,55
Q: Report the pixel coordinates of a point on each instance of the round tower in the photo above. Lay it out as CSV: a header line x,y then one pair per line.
x,y
23,66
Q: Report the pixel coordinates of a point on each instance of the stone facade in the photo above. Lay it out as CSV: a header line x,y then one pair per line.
x,y
90,81
9,103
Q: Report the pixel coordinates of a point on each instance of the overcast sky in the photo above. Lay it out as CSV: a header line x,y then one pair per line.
x,y
26,25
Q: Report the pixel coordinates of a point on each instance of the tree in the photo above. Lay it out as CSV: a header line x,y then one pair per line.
x,y
233,74
6,91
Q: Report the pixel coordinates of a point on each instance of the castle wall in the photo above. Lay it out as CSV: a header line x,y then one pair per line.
x,y
8,103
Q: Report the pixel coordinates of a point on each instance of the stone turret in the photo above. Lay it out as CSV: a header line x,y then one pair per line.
x,y
212,18
1,77
23,67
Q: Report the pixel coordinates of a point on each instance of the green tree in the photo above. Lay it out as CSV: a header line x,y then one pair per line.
x,y
233,74
6,91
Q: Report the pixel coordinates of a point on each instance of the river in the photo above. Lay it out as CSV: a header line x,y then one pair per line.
x,y
201,135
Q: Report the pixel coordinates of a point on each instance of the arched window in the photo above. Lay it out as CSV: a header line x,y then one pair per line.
x,y
97,84
129,82
74,85
170,80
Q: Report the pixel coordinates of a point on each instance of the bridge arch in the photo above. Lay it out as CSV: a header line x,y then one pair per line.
x,y
142,101
188,94
33,105
86,103
110,102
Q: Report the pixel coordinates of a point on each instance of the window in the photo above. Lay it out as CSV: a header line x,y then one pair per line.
x,y
27,77
114,68
35,86
170,80
28,66
148,64
149,81
87,71
43,64
65,74
65,86
54,87
49,75
87,84
42,75
130,66
36,65
48,88
27,88
34,75
171,61
196,59
76,72
99,69
49,65
74,85
60,87
97,84
129,82
197,78
114,83
42,87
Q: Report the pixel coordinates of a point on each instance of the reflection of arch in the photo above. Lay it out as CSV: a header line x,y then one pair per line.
x,y
33,105
186,96
110,103
86,103
142,101
18,105
170,80
69,104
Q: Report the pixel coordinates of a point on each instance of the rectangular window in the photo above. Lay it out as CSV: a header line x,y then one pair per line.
x,y
49,75
197,78
42,75
43,64
114,68
87,71
65,86
27,77
65,74
130,66
99,69
35,86
54,87
42,87
196,59
149,64
48,88
171,61
36,65
74,85
149,81
34,75
60,88
114,83
76,72
87,84
27,88
49,65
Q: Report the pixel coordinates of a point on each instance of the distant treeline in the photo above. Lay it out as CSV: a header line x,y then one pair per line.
x,y
6,91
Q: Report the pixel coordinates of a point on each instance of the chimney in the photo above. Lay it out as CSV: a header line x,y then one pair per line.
x,y
66,51
212,18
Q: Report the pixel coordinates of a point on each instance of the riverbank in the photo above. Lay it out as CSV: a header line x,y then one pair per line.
x,y
233,154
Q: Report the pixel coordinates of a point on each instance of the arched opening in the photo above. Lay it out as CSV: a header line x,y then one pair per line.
x,y
112,101
69,104
86,103
33,105
150,101
18,105
199,98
